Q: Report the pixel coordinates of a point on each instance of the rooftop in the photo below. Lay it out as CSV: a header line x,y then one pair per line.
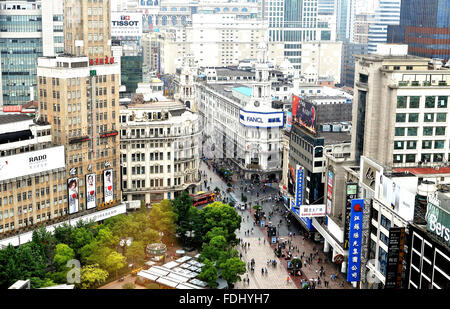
x,y
417,171
331,138
5,119
244,90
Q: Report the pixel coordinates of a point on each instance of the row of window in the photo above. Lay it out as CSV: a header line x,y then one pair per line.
x,y
425,157
426,144
414,101
427,117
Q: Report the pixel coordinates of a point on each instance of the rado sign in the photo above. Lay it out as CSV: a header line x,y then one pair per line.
x,y
368,172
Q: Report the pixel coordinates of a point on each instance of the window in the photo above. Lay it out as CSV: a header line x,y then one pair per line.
x,y
400,117
401,102
410,158
426,144
441,117
426,157
399,145
384,238
428,117
428,131
442,102
438,157
439,144
412,131
411,145
413,117
385,222
398,158
430,102
440,131
414,102
399,131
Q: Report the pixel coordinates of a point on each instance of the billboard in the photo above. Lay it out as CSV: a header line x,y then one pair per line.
x,y
368,172
90,191
330,190
108,187
126,24
261,119
304,113
73,194
32,162
308,211
438,220
299,185
288,121
392,195
395,258
351,193
354,251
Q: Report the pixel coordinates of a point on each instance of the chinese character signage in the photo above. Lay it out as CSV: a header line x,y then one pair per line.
x,y
299,186
395,258
354,250
351,192
312,211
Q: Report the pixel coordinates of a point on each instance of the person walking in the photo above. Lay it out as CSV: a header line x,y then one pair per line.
x,y
287,280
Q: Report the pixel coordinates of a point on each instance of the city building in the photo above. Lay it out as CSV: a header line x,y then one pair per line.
x,y
241,125
400,109
345,11
78,94
348,61
429,262
387,13
159,151
361,27
425,27
322,59
32,177
28,30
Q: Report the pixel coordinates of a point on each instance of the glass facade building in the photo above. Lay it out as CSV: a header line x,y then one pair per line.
x,y
425,27
21,43
131,68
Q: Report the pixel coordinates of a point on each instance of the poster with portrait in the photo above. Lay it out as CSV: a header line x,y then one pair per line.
x,y
90,191
108,187
73,194
392,195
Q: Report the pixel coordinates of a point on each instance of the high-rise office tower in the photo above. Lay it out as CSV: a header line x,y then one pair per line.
x,y
425,27
28,30
78,94
326,7
400,109
345,19
387,13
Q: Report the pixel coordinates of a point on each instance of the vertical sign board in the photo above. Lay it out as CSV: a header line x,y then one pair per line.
x,y
354,251
108,189
351,193
299,186
90,191
329,190
72,192
395,258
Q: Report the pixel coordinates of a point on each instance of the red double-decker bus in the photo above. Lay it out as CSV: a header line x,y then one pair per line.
x,y
203,198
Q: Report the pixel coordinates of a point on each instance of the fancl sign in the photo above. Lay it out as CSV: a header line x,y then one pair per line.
x,y
261,120
438,219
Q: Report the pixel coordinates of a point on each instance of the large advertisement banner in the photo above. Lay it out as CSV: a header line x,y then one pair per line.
x,y
330,190
108,187
90,191
261,119
299,185
354,251
308,211
73,195
351,193
32,162
288,126
304,114
395,258
392,195
438,220
126,24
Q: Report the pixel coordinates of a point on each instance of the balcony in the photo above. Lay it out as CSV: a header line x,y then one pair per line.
x,y
254,167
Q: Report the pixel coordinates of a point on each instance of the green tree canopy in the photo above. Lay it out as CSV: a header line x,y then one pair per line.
x,y
92,276
231,269
79,238
224,216
62,233
136,252
63,253
209,273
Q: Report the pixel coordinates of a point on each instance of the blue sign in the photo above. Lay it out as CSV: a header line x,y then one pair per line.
x,y
299,186
354,250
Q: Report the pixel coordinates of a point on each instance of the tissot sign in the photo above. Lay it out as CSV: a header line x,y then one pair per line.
x,y
261,119
32,162
126,24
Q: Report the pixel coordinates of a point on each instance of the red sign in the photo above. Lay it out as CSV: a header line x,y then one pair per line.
x,y
98,61
12,108
108,134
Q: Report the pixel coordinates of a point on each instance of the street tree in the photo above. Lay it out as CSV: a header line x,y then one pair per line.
x,y
209,274
63,253
136,252
62,233
231,269
92,276
224,216
79,238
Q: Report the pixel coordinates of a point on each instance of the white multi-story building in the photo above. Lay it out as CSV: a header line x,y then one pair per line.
x,y
322,59
159,149
241,125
